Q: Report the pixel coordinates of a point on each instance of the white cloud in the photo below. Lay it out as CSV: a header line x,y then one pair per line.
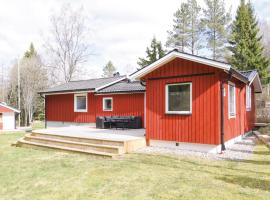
x,y
121,29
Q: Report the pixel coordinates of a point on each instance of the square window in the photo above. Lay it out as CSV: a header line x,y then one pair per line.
x,y
107,104
80,102
179,98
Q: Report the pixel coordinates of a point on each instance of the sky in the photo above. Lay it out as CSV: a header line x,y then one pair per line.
x,y
120,29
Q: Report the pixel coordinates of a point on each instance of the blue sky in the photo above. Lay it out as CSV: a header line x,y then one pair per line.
x,y
121,29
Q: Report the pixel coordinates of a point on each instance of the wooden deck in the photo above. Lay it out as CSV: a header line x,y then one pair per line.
x,y
88,140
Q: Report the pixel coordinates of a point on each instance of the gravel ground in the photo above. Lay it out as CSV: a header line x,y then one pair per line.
x,y
238,151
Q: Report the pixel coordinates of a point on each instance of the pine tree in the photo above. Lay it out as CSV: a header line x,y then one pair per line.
x,y
239,38
245,42
31,52
216,22
256,60
194,27
178,37
154,52
109,69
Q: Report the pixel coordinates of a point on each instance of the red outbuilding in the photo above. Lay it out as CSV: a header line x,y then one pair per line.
x,y
181,98
7,117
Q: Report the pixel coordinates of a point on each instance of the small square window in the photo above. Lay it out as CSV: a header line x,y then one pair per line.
x,y
80,102
107,104
179,98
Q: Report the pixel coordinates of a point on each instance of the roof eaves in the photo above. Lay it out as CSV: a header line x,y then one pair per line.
x,y
111,83
9,107
66,91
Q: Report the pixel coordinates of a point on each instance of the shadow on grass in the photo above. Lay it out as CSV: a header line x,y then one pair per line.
x,y
267,153
241,151
244,181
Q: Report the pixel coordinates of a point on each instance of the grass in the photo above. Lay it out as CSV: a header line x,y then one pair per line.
x,y
38,174
38,125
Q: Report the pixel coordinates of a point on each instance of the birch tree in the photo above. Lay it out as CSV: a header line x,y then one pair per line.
x,y
67,45
33,78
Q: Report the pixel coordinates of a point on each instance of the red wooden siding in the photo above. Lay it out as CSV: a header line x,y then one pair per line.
x,y
123,105
4,109
61,107
244,120
202,126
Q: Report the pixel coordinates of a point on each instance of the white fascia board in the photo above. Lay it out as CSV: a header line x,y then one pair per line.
x,y
73,92
8,107
173,55
256,79
111,83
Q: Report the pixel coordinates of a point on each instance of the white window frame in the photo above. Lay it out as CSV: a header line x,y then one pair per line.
x,y
248,98
167,99
231,116
75,102
103,103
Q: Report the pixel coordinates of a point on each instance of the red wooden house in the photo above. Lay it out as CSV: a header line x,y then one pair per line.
x,y
186,99
7,117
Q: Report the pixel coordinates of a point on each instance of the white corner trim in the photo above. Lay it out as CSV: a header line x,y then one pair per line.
x,y
173,55
167,100
75,102
111,83
104,105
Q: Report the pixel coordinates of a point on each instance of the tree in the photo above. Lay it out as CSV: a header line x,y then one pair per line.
x,y
246,44
256,60
195,26
153,53
109,70
178,37
67,46
33,78
31,52
265,30
187,28
216,24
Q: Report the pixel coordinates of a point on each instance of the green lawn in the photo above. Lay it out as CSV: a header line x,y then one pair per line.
x,y
36,174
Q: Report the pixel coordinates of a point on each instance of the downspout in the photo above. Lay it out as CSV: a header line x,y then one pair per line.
x,y
223,148
222,132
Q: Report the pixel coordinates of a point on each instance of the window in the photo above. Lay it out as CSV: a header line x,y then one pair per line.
x,y
107,104
179,98
231,103
80,103
248,98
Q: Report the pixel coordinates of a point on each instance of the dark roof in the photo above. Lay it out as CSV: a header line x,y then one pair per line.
x,y
250,74
123,86
82,85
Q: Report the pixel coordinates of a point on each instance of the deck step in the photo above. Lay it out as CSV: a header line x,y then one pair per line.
x,y
109,142
25,143
77,145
